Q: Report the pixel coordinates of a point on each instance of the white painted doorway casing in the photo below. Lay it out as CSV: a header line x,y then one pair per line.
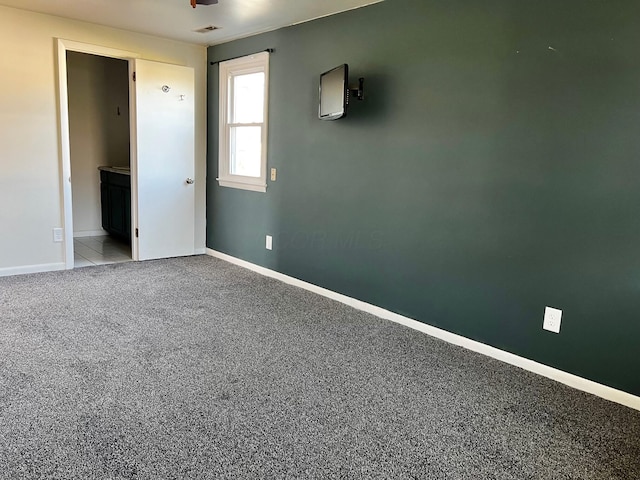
x,y
163,162
63,46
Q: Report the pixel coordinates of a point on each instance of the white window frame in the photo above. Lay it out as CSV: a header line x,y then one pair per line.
x,y
258,62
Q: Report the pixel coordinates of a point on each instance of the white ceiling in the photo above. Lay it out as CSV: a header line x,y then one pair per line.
x,y
176,19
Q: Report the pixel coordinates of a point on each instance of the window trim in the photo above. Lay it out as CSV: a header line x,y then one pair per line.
x,y
258,62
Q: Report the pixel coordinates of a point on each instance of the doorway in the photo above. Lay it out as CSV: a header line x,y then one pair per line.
x,y
161,114
99,141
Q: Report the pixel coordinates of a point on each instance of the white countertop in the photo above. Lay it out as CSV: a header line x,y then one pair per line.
x,y
122,170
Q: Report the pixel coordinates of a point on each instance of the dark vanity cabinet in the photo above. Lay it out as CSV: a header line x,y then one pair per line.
x,y
115,195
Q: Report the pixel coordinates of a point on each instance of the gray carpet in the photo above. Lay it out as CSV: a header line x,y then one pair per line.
x,y
195,368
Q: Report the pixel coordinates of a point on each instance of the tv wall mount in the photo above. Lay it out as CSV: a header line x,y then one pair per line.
x,y
357,91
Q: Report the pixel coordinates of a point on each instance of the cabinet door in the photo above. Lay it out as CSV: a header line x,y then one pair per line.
x,y
104,205
126,211
117,205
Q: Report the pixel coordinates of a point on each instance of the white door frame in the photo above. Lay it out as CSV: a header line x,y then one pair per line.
x,y
65,151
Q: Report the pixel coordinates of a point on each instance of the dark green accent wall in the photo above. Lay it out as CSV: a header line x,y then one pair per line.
x,y
493,169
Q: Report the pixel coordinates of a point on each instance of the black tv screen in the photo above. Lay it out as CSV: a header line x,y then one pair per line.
x,y
334,93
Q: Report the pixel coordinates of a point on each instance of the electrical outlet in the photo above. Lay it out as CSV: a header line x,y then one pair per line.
x,y
269,244
273,174
552,318
58,235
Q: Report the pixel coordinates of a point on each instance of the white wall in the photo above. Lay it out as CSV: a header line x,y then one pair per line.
x,y
98,130
30,162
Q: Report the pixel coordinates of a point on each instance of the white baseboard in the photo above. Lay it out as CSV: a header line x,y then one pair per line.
x,y
200,251
47,267
90,233
589,386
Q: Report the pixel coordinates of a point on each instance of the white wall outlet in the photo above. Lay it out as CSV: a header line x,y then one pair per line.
x,y
273,174
269,244
552,318
58,235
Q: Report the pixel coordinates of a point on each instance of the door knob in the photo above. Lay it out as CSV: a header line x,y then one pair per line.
x,y
189,181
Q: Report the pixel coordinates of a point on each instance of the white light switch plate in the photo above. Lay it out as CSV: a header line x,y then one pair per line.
x,y
273,174
58,235
269,243
552,318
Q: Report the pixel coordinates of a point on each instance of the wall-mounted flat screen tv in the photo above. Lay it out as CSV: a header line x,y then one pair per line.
x,y
334,93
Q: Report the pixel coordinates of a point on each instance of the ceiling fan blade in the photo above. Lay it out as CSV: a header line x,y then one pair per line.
x,y
203,2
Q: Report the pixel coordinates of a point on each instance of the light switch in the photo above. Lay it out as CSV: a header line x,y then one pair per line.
x,y
58,235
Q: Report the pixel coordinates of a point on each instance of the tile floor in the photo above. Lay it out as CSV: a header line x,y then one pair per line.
x,y
89,251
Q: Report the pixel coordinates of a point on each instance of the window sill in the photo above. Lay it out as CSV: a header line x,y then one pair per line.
x,y
242,186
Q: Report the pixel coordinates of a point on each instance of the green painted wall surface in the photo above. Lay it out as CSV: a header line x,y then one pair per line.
x,y
493,169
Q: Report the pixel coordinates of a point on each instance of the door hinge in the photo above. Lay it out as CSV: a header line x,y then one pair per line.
x,y
136,233
134,76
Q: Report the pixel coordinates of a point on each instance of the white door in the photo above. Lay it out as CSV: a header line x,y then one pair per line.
x,y
163,200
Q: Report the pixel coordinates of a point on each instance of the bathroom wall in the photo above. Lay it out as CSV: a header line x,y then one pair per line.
x,y
98,130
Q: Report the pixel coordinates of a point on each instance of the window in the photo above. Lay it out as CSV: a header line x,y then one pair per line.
x,y
244,87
